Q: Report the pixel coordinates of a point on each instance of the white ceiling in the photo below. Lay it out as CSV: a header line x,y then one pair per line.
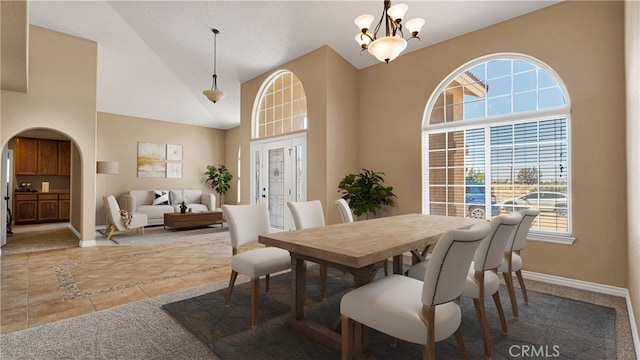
x,y
156,57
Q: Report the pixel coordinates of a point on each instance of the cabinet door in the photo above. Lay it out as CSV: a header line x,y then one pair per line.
x,y
47,157
47,207
64,207
26,156
64,158
25,209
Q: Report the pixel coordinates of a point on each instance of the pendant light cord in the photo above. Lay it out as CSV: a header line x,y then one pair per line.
x,y
215,76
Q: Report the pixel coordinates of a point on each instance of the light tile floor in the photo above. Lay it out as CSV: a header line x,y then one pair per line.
x,y
43,287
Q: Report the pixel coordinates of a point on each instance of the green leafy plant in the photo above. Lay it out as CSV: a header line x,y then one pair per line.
x,y
219,179
365,193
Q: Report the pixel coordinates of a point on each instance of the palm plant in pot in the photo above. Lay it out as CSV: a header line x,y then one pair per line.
x,y
219,179
365,192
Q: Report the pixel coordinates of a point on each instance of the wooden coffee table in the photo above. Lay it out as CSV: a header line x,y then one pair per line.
x,y
192,219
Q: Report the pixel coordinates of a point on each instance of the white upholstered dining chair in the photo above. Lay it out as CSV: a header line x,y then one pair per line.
x,y
309,214
345,211
483,280
512,261
118,222
347,217
246,223
420,312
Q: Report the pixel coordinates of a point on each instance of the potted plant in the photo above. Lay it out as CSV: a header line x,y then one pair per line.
x,y
365,193
219,179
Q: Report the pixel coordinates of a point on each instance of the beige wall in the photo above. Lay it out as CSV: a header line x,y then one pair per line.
x,y
632,32
62,96
330,86
342,128
583,43
118,138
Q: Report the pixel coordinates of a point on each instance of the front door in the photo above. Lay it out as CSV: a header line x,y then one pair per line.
x,y
279,168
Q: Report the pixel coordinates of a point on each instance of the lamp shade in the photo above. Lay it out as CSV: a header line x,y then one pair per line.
x,y
387,48
397,11
214,95
414,25
108,167
364,21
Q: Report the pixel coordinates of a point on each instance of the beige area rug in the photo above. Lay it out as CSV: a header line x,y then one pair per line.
x,y
158,235
41,240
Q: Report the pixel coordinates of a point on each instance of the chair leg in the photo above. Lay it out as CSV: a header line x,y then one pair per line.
x,y
508,280
232,280
460,340
142,230
429,317
484,328
524,290
109,232
267,282
347,338
255,284
385,265
503,320
323,281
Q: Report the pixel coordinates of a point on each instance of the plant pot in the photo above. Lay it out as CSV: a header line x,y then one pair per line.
x,y
183,210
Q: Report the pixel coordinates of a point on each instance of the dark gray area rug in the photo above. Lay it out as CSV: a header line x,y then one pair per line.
x,y
549,327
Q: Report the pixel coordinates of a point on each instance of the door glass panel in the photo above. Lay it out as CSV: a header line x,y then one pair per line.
x,y
299,171
276,188
256,194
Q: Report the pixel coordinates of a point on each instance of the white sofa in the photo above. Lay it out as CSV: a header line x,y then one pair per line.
x,y
142,201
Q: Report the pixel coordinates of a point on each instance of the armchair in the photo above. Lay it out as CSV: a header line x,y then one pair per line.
x,y
115,221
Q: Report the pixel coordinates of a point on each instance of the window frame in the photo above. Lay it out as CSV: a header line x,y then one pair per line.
x,y
563,112
263,96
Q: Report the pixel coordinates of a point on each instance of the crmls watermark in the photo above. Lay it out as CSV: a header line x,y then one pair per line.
x,y
534,351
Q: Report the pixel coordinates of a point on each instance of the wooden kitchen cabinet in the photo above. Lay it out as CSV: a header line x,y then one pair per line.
x,y
26,156
47,207
47,157
64,207
31,208
64,158
25,208
42,157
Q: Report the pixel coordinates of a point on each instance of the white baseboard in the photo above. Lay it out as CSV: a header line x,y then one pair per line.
x,y
74,231
88,243
595,287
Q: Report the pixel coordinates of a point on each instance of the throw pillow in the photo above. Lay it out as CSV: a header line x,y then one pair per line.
x,y
161,197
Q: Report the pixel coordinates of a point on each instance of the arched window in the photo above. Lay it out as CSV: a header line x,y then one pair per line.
x,y
281,107
495,140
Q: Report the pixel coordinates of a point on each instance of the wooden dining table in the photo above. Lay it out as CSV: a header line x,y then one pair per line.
x,y
359,248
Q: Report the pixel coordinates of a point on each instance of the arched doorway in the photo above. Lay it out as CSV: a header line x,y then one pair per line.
x,y
37,192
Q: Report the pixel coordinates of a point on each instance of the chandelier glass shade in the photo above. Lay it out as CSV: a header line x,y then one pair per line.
x,y
392,44
214,94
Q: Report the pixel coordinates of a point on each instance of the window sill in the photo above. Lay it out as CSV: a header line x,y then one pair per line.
x,y
564,239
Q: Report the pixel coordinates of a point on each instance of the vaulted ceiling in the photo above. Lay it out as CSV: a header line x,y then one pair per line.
x,y
156,57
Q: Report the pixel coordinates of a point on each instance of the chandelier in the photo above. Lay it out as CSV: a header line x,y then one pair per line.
x,y
214,94
387,48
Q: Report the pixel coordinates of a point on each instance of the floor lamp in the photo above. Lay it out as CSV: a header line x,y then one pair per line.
x,y
107,168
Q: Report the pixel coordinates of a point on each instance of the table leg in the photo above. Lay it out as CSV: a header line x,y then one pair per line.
x,y
397,264
298,287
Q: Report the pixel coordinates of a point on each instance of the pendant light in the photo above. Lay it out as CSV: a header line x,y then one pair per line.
x,y
214,94
388,47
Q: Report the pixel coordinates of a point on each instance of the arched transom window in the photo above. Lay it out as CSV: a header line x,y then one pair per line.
x,y
281,107
496,140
